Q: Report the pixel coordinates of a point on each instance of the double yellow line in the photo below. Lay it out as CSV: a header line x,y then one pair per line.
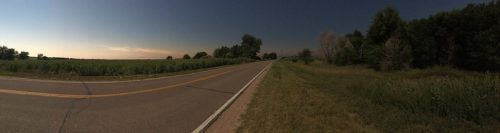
x,y
72,96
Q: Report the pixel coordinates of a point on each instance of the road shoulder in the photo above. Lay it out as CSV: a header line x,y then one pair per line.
x,y
229,120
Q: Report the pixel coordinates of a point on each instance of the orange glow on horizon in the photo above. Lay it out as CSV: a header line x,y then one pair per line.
x,y
83,51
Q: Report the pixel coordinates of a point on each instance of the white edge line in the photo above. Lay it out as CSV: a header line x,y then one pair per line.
x,y
216,114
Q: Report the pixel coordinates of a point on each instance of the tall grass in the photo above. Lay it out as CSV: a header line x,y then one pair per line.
x,y
447,97
112,67
472,98
287,102
430,100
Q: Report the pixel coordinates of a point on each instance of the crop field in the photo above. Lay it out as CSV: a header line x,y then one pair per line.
x,y
115,68
294,97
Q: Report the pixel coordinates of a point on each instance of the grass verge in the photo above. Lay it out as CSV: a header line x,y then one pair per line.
x,y
323,98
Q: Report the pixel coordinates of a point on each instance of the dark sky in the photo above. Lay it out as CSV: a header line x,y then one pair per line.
x,y
154,29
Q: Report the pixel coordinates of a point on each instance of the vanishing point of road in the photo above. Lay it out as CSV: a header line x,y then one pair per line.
x,y
169,104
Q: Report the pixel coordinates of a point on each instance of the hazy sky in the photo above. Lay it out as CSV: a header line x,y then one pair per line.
x,y
138,29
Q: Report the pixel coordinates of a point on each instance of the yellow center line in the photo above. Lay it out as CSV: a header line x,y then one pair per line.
x,y
73,96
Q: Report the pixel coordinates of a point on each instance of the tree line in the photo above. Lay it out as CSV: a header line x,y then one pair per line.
x,y
248,48
468,38
7,53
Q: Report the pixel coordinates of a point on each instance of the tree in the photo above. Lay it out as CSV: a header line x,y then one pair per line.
x,y
23,55
327,43
269,56
200,55
39,56
445,37
250,46
3,52
265,56
356,39
11,54
473,40
423,43
170,58
186,57
222,52
397,54
273,56
7,53
385,23
345,54
306,56
42,57
468,38
229,55
256,58
236,51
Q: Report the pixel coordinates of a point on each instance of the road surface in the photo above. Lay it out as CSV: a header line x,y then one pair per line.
x,y
170,104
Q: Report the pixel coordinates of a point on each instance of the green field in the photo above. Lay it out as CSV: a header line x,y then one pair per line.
x,y
108,69
294,97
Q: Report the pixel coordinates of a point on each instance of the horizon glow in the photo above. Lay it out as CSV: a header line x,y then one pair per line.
x,y
151,29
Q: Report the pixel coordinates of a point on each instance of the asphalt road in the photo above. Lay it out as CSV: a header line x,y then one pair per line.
x,y
170,104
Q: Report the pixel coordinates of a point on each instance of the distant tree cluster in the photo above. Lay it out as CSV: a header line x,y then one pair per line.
x,y
306,56
468,39
345,52
42,57
249,48
200,55
270,56
23,55
186,57
170,58
11,54
223,52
